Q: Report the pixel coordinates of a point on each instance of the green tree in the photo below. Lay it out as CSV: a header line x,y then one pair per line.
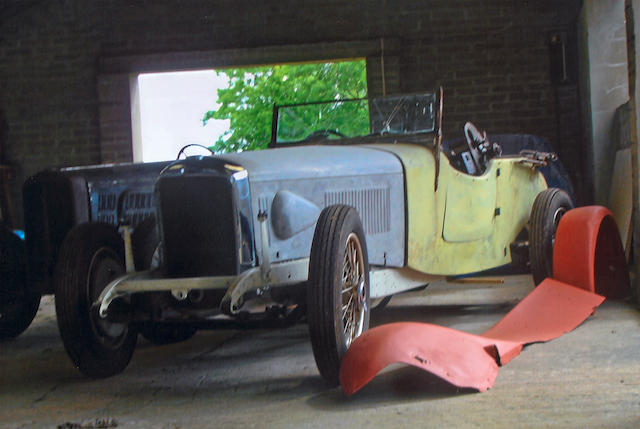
x,y
252,92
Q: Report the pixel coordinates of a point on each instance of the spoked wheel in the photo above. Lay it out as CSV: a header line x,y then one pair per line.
x,y
338,296
91,257
353,290
19,300
547,210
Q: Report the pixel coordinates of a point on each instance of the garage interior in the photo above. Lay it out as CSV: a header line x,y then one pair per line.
x,y
564,70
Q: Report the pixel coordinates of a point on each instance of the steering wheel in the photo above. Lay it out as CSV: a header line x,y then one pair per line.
x,y
321,134
474,137
182,150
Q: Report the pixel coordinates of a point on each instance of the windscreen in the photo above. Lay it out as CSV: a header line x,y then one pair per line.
x,y
339,119
407,114
336,119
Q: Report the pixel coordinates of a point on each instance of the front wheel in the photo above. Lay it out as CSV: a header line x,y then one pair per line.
x,y
338,289
91,257
547,210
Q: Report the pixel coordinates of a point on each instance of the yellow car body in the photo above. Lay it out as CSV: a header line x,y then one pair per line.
x,y
468,223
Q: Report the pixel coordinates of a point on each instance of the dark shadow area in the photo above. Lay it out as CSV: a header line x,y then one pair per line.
x,y
436,313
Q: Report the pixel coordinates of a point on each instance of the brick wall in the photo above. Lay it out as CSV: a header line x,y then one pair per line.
x,y
64,109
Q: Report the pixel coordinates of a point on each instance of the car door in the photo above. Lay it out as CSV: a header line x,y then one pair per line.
x,y
470,207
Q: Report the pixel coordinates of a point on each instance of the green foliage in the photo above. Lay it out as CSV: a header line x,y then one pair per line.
x,y
252,92
348,119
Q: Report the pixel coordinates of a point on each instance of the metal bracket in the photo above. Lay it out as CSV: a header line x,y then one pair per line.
x,y
280,274
536,159
265,259
125,230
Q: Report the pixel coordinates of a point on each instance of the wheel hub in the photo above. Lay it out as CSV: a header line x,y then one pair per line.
x,y
362,292
354,290
103,268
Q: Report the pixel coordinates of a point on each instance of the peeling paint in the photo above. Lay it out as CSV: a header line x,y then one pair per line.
x,y
480,244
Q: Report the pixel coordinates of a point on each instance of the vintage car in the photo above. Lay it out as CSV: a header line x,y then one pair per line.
x,y
335,214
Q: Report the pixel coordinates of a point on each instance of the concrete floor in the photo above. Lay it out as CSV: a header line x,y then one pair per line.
x,y
587,378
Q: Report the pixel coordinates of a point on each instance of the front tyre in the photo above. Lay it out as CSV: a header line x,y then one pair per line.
x,y
547,210
338,289
91,256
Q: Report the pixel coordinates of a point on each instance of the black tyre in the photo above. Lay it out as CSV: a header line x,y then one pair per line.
x,y
91,256
338,289
19,301
548,208
145,243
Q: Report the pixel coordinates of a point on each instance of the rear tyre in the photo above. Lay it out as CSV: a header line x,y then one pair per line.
x,y
19,301
548,208
91,256
338,299
146,248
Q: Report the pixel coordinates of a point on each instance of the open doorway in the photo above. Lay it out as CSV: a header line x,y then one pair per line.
x,y
171,107
230,109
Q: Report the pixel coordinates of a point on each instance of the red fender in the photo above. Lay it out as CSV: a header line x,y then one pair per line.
x,y
462,359
587,253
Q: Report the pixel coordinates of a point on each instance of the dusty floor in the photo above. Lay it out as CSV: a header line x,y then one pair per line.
x,y
587,378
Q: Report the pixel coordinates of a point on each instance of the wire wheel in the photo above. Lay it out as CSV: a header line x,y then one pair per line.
x,y
353,290
338,299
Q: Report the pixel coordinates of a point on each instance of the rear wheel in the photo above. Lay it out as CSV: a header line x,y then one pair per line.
x,y
338,296
548,208
91,257
19,301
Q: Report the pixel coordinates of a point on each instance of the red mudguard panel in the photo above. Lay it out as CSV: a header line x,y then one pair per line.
x,y
588,252
588,258
462,359
549,311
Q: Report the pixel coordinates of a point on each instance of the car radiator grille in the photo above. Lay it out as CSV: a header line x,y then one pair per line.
x,y
198,226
